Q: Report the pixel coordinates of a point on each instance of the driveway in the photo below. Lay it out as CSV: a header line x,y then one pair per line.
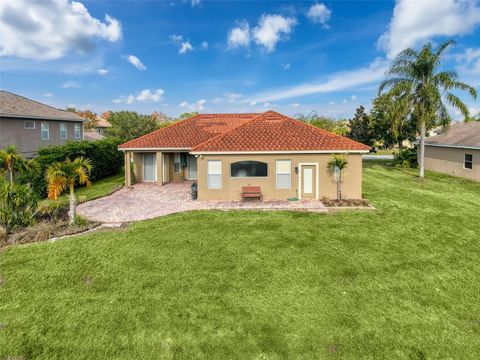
x,y
146,201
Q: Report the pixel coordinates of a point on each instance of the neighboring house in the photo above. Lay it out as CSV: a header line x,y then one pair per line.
x,y
456,152
285,157
98,131
30,125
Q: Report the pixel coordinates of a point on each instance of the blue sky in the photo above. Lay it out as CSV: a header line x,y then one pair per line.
x,y
220,56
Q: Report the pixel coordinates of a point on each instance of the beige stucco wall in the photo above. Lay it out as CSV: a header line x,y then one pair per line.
x,y
232,187
450,161
28,141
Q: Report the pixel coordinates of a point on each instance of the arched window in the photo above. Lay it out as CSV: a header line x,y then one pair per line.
x,y
248,169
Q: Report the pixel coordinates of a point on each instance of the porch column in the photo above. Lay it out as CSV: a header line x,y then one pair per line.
x,y
128,173
159,168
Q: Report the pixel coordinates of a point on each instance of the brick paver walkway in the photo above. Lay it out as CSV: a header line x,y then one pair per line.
x,y
145,201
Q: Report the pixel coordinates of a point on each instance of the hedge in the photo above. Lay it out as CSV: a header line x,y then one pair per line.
x,y
104,154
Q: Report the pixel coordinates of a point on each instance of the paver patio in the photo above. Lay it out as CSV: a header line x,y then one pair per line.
x,y
146,201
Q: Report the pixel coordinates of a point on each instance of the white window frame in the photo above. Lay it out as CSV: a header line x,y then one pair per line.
x,y
77,131
63,131
47,129
214,174
29,128
277,172
469,161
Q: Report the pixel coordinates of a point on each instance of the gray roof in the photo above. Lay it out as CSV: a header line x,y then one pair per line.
x,y
462,135
92,135
13,105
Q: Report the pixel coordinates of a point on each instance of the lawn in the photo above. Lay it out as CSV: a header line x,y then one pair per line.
x,y
99,189
401,282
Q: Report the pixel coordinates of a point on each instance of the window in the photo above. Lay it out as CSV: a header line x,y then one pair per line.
x,y
78,131
63,131
176,162
29,124
284,171
248,169
468,161
214,173
45,131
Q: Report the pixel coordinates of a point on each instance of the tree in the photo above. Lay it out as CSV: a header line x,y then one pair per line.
x,y
18,205
341,127
187,115
127,125
319,121
10,160
360,127
63,175
336,166
431,87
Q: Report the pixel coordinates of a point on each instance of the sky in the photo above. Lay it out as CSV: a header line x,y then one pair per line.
x,y
224,56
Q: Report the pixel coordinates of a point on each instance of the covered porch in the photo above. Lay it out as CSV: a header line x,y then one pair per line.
x,y
160,167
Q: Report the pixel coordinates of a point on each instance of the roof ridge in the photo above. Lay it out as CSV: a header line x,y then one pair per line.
x,y
231,130
38,102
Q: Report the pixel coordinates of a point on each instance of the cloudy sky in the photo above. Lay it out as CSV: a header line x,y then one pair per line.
x,y
223,56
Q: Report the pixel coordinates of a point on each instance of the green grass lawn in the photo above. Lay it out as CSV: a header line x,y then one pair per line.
x,y
99,189
402,282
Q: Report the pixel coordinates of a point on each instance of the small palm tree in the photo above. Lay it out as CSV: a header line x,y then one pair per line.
x,y
63,175
10,159
431,87
336,166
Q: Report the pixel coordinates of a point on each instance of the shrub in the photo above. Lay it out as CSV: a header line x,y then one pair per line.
x,y
18,205
406,159
104,155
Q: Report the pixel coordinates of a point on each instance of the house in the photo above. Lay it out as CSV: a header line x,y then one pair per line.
x,y
455,152
30,125
223,153
98,131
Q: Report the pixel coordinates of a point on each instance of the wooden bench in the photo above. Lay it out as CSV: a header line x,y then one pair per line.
x,y
251,192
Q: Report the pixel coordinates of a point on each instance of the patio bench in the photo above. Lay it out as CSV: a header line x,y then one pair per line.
x,y
251,192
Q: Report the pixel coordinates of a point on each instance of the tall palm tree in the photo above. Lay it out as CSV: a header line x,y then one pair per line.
x,y
63,175
399,108
431,88
10,159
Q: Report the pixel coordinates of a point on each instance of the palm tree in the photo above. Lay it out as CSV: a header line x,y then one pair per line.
x,y
337,165
63,175
10,160
399,108
420,70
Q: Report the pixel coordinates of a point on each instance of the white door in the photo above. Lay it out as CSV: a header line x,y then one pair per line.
x,y
149,168
192,167
308,182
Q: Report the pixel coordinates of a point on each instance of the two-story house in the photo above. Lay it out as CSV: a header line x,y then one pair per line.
x,y
30,125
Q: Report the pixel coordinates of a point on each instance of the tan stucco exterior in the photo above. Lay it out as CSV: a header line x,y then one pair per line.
x,y
324,182
232,187
450,161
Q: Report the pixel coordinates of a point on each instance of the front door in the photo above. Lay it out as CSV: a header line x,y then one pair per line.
x,y
149,168
309,182
192,167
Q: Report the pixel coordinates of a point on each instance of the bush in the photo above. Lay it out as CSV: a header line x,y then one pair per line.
x,y
18,205
104,155
406,159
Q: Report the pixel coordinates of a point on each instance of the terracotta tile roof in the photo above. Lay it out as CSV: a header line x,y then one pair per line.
x,y
269,131
272,131
190,132
13,105
102,123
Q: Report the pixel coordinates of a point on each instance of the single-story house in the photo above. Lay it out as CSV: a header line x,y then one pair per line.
x,y
285,157
455,152
31,125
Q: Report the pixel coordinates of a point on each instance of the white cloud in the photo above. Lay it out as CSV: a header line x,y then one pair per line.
x,y
146,95
185,47
183,104
135,61
271,29
266,105
70,85
354,97
197,106
469,62
48,30
319,13
415,22
216,100
232,97
176,38
239,36
344,101
295,105
253,103
200,104
372,73
195,2
204,45
332,103
102,71
48,94
286,66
